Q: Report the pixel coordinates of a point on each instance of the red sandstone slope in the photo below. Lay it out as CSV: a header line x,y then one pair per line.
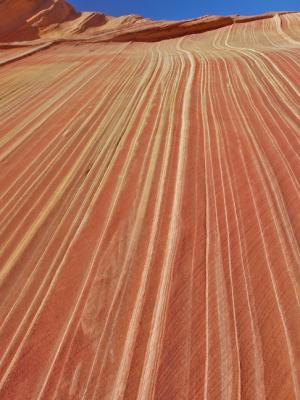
x,y
149,206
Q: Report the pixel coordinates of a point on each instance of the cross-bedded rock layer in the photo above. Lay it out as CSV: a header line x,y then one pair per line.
x,y
149,206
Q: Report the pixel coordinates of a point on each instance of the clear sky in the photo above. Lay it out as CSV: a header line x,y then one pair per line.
x,y
179,9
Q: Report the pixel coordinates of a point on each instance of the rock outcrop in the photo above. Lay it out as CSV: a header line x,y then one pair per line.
x,y
149,206
56,19
24,19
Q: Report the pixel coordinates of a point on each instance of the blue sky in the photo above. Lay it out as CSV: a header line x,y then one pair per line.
x,y
177,9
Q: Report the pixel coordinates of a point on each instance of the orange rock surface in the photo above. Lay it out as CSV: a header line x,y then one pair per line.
x,y
149,206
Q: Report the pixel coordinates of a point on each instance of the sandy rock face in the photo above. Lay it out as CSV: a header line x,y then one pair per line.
x,y
13,18
56,19
21,19
149,206
24,20
58,11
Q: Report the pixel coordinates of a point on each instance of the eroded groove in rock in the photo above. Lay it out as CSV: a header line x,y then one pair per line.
x,y
149,205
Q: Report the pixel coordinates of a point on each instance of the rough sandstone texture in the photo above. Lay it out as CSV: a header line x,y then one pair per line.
x,y
149,206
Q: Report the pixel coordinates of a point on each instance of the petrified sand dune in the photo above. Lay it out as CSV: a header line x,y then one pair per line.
x,y
149,206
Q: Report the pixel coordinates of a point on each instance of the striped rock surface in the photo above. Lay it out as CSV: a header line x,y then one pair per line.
x,y
150,215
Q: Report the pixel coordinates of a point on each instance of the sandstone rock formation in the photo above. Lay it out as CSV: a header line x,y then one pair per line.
x,y
149,206
23,20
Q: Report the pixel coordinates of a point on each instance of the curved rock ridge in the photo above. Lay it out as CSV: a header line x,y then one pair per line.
x,y
25,20
149,207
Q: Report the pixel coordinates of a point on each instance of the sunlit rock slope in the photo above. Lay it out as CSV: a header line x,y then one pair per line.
x,y
149,206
